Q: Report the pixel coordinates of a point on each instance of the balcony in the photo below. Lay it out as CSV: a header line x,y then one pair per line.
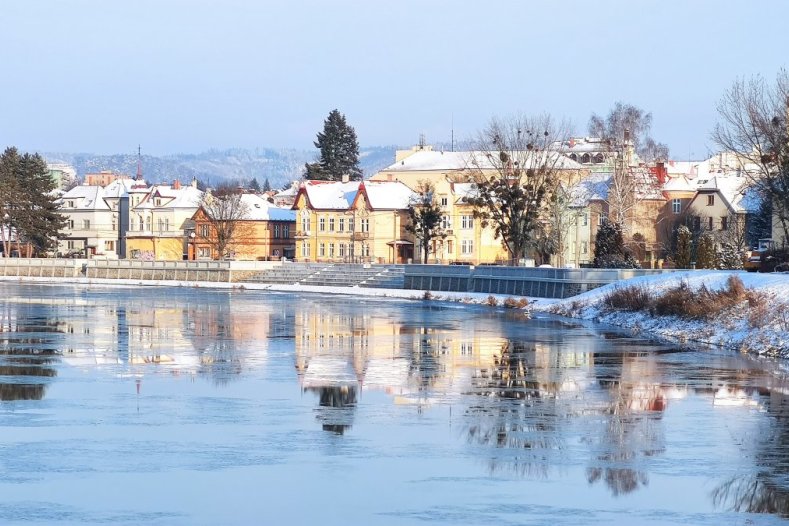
x,y
301,234
360,236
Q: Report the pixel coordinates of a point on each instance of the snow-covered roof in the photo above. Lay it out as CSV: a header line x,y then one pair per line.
x,y
463,191
679,183
86,197
259,209
388,195
330,195
428,160
591,188
183,197
739,195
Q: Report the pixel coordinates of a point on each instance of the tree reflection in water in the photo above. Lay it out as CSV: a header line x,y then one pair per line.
x,y
24,363
337,405
766,491
631,426
515,414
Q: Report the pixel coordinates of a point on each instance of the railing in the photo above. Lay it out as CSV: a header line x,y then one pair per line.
x,y
301,234
360,236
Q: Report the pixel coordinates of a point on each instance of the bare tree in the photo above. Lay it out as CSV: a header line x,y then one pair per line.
x,y
516,173
626,119
754,116
224,212
424,217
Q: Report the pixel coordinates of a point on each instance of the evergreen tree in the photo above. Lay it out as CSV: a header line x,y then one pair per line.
x,y
28,203
729,258
609,249
684,242
424,218
706,254
339,151
266,185
254,185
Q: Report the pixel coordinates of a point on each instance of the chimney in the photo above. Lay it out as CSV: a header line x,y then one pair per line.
x,y
176,185
194,182
345,178
661,172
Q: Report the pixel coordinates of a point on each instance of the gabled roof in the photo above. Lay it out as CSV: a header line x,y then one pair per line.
x,y
328,195
87,197
387,195
591,188
184,197
678,184
738,195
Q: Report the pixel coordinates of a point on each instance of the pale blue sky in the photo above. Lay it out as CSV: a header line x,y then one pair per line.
x,y
184,76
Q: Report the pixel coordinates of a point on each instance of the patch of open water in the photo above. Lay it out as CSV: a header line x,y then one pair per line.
x,y
195,406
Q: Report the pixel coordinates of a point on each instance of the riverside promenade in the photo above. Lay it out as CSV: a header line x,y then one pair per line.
x,y
555,283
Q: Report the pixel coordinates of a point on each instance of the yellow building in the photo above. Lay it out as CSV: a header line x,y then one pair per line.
x,y
451,174
353,222
158,223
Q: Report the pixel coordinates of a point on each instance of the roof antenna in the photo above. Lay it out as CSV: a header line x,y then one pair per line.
x,y
452,136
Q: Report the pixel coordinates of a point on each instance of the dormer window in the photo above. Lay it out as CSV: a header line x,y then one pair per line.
x,y
158,201
70,204
710,200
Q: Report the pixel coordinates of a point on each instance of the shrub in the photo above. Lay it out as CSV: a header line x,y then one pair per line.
x,y
492,301
631,298
427,295
702,303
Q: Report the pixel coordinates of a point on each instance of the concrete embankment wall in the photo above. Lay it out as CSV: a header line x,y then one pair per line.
x,y
517,281
207,271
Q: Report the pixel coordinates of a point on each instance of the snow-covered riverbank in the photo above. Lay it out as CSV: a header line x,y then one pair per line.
x,y
762,328
759,324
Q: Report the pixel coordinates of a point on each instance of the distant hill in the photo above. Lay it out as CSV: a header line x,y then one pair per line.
x,y
278,166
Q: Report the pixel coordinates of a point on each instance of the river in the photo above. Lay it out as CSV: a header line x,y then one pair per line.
x,y
190,406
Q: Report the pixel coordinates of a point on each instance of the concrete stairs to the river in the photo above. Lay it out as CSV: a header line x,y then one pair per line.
x,y
333,275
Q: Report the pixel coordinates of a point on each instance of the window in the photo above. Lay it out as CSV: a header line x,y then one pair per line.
x,y
444,202
599,219
276,230
322,224
449,246
305,221
709,223
724,223
70,245
160,223
676,206
86,224
467,222
467,246
365,225
109,245
584,247
71,204
331,224
366,250
710,200
322,250
158,201
286,231
342,250
114,222
305,250
148,223
586,158
204,252
584,220
71,224
350,224
331,250
204,230
446,222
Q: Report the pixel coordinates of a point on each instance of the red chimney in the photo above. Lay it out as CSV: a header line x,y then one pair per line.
x,y
176,185
661,172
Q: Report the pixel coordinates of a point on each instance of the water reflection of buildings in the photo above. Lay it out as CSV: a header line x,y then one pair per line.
x,y
217,338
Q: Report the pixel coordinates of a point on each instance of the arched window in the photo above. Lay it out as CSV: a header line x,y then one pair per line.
x,y
598,159
585,159
573,157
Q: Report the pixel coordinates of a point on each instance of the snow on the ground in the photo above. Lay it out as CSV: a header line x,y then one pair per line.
x,y
763,329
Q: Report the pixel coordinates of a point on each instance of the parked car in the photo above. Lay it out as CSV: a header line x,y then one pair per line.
x,y
754,261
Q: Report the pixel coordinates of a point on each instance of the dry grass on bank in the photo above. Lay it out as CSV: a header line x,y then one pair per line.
x,y
682,301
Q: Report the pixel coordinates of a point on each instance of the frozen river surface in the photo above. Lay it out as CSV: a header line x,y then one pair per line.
x,y
193,406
